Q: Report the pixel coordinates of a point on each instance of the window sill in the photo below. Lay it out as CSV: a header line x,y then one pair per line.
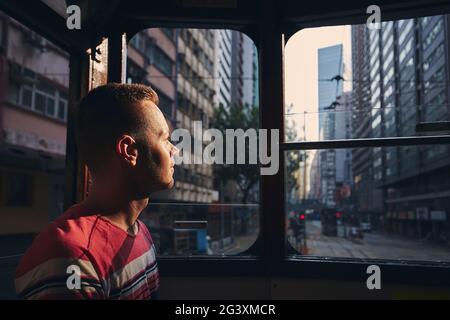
x,y
330,269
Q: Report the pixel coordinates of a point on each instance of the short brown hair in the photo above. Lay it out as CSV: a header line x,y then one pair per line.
x,y
104,114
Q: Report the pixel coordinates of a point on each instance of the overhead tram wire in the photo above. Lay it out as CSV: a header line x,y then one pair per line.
x,y
340,78
366,109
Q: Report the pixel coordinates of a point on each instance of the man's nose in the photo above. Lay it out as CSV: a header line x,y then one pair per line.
x,y
174,151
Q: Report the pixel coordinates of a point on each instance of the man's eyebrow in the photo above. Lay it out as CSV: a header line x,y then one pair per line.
x,y
164,133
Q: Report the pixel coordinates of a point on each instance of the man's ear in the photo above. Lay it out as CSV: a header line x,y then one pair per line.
x,y
126,148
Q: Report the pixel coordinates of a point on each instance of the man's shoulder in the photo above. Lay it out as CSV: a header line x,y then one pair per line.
x,y
65,238
72,229
74,225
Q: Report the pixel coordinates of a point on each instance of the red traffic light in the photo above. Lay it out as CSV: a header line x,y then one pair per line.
x,y
301,217
338,214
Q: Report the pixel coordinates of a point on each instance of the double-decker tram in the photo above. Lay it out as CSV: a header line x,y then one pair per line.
x,y
313,136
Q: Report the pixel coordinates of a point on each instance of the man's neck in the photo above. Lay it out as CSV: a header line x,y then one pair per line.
x,y
120,211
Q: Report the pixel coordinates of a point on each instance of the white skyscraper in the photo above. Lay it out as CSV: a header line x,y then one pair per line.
x,y
223,68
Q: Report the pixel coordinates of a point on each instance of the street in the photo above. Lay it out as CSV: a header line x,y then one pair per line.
x,y
374,245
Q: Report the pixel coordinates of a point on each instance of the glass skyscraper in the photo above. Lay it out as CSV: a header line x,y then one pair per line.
x,y
330,69
330,66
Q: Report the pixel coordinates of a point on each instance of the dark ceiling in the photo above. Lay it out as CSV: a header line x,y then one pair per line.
x,y
101,17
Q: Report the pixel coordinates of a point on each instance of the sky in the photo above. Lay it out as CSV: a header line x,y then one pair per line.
x,y
301,73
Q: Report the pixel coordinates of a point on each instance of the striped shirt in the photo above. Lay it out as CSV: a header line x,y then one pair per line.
x,y
110,262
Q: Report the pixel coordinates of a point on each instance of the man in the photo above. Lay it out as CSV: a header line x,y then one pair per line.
x,y
98,249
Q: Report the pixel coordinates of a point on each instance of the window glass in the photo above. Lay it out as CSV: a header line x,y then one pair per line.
x,y
339,74
431,60
205,79
391,203
405,31
26,97
35,75
350,82
62,109
433,34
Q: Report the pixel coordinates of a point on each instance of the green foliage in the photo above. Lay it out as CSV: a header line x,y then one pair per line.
x,y
247,176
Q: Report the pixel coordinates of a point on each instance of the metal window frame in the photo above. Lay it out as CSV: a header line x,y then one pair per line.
x,y
269,256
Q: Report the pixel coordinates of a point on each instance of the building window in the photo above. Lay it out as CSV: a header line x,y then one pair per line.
x,y
433,33
44,100
62,109
433,57
437,79
406,49
165,104
424,21
39,96
26,96
138,42
405,31
162,62
170,33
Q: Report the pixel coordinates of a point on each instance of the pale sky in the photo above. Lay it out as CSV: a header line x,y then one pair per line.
x,y
301,72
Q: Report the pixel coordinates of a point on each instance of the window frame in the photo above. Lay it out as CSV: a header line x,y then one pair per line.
x,y
270,256
186,71
396,271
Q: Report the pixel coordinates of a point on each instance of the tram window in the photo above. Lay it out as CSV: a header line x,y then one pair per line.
x,y
349,82
380,203
204,79
33,130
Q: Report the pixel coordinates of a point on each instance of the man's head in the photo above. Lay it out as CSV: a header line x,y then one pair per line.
x,y
122,133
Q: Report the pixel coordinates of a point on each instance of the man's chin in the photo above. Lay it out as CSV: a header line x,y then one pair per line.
x,y
170,184
161,186
166,185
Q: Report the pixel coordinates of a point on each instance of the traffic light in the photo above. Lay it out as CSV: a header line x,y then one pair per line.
x,y
301,222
